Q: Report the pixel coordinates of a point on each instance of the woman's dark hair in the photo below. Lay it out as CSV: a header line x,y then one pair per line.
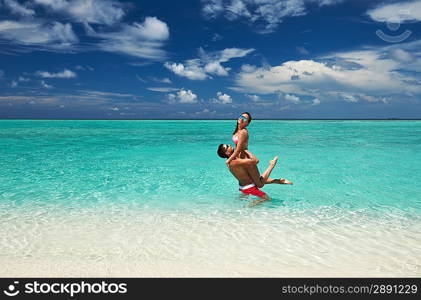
x,y
236,126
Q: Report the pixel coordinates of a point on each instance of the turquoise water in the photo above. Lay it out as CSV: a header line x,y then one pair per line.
x,y
152,198
353,165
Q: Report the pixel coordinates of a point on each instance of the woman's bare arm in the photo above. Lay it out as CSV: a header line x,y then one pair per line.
x,y
242,142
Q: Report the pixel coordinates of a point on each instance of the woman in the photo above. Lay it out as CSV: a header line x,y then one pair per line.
x,y
241,138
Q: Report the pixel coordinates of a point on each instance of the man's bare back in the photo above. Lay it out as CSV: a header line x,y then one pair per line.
x,y
241,172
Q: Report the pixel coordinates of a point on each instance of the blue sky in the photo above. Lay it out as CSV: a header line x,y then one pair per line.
x,y
210,59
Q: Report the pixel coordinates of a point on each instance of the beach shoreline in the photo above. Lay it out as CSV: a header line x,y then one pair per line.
x,y
86,269
257,244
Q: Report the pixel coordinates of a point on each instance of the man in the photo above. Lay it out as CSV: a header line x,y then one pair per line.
x,y
245,170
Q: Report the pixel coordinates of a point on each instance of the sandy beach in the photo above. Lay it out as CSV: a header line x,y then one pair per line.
x,y
144,244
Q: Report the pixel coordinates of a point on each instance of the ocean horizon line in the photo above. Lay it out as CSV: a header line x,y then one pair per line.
x,y
216,119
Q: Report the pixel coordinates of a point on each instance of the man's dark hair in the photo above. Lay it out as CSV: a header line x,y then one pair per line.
x,y
222,151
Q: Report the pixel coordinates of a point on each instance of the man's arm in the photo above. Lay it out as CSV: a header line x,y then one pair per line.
x,y
246,162
250,164
250,155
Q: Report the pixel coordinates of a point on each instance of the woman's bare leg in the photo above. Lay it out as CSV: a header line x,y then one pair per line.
x,y
266,174
268,180
261,180
279,181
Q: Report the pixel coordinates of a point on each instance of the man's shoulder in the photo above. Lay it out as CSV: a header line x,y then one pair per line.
x,y
237,162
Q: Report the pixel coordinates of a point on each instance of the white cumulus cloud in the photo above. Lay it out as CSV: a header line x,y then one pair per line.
x,y
397,12
45,85
254,98
142,40
401,55
190,69
315,101
90,11
352,76
151,29
23,79
182,96
222,98
292,98
63,74
101,19
162,89
48,35
160,80
208,63
264,15
54,4
216,68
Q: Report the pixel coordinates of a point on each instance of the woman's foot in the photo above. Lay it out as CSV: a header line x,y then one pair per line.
x,y
283,181
274,161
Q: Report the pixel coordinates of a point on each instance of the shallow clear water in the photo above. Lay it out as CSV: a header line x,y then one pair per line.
x,y
73,179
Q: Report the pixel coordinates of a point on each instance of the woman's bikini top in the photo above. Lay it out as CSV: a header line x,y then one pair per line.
x,y
235,139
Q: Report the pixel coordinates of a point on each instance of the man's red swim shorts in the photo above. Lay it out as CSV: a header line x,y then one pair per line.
x,y
251,189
